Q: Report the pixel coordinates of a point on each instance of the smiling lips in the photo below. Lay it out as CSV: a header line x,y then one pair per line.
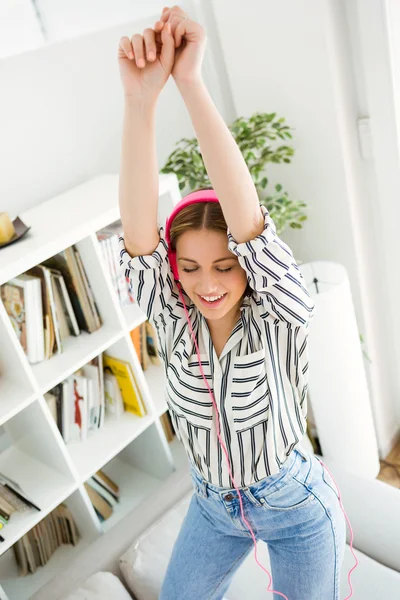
x,y
212,300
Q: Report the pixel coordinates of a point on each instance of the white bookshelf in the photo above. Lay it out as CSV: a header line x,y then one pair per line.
x,y
133,451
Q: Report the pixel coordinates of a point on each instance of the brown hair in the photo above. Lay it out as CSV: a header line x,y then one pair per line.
x,y
200,215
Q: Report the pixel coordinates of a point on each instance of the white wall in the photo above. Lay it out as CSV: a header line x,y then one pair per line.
x,y
295,57
61,115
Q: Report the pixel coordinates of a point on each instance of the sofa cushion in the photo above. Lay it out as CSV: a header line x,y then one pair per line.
x,y
144,565
100,586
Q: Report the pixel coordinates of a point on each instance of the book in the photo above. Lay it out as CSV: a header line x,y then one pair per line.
x,y
143,347
38,545
88,289
106,482
22,298
83,298
101,505
108,496
48,325
57,349
98,361
63,326
67,304
67,409
127,384
113,396
91,372
77,407
108,238
65,262
16,493
6,509
135,337
151,344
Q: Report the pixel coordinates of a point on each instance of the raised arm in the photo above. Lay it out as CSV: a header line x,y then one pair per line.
x,y
145,63
271,269
143,249
223,160
138,180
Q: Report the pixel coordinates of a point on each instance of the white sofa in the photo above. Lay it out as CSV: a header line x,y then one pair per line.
x,y
373,509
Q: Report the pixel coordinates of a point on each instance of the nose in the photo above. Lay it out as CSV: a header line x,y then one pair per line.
x,y
209,283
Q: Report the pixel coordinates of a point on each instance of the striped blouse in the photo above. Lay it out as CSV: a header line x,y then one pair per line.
x,y
259,381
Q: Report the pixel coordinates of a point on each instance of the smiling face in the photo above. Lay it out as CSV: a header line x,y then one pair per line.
x,y
208,269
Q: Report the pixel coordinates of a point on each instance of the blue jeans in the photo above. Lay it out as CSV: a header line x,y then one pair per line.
x,y
296,512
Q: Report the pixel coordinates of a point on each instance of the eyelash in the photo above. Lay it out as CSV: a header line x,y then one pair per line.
x,y
219,270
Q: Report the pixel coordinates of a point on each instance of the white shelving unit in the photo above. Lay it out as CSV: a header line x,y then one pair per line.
x,y
133,451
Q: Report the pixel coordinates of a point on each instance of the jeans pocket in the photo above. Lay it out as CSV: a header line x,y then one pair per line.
x,y
292,496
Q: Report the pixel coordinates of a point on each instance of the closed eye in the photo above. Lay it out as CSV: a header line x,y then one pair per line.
x,y
219,270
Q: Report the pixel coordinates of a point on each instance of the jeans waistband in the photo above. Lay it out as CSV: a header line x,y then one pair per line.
x,y
206,488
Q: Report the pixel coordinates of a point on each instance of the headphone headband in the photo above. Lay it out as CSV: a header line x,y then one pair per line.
x,y
192,198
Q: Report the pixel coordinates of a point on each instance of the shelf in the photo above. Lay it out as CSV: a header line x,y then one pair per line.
x,y
134,316
67,218
135,486
102,445
77,352
155,379
46,487
133,450
23,588
13,399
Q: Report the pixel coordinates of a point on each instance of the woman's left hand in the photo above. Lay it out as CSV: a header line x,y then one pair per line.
x,y
190,44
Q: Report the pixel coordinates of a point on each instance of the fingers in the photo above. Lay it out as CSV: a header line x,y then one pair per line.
x,y
168,46
145,48
176,16
149,38
125,48
138,50
169,11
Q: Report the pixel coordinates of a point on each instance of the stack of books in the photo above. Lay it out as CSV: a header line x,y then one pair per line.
x,y
12,499
77,404
105,385
144,339
103,493
49,303
121,387
109,245
37,546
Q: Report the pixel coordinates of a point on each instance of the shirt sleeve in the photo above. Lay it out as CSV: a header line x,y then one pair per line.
x,y
153,285
272,272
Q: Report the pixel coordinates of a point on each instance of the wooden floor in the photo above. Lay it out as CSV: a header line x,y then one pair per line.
x,y
388,474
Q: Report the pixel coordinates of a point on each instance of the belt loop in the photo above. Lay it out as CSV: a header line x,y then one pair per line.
x,y
302,453
204,488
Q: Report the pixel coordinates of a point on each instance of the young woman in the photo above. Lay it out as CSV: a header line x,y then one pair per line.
x,y
250,313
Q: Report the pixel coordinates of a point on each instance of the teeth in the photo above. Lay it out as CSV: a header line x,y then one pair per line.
x,y
212,298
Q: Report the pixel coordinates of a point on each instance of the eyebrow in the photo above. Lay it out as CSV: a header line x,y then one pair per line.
x,y
215,261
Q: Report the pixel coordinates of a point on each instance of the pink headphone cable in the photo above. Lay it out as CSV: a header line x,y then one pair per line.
x,y
234,484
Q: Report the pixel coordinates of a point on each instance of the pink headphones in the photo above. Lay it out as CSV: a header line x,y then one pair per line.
x,y
200,196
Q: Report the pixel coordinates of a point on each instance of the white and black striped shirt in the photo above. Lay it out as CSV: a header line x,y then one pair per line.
x,y
260,380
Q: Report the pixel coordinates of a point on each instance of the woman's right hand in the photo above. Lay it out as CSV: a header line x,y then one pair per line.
x,y
145,62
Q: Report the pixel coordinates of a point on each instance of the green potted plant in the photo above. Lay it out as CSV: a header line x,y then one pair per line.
x,y
256,137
